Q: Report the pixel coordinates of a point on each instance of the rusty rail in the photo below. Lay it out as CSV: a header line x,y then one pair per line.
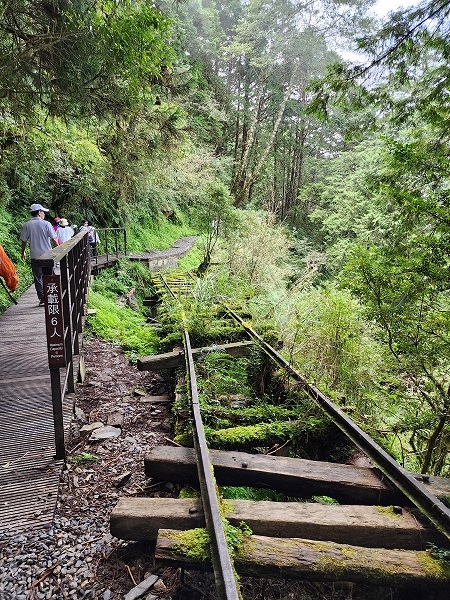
x,y
223,569
65,296
428,504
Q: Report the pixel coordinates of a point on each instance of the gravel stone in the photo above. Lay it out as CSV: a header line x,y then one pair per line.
x,y
76,556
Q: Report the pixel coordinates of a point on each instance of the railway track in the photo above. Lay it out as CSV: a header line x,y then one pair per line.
x,y
355,541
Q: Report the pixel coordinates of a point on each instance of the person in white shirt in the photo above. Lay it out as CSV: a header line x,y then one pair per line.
x,y
41,235
93,236
65,231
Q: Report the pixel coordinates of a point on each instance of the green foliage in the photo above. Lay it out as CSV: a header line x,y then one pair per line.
x,y
340,207
147,232
325,334
194,543
81,57
222,375
198,312
191,261
256,254
84,457
121,325
441,554
214,215
122,277
249,493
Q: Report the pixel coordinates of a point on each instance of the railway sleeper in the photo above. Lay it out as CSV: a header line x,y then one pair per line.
x,y
140,519
295,477
294,558
176,359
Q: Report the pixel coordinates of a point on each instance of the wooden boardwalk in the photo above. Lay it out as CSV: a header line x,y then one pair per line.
x,y
29,475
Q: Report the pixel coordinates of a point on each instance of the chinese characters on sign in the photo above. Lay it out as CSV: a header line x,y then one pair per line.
x,y
54,321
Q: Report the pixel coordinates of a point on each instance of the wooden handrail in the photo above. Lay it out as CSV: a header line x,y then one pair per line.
x,y
65,295
117,246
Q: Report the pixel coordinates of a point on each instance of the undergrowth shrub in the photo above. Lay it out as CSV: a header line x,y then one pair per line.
x,y
324,333
122,277
122,326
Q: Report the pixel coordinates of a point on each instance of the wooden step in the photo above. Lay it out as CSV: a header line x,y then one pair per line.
x,y
140,519
294,476
295,558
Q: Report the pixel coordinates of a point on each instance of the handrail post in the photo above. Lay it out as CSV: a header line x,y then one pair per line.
x,y
67,322
106,246
64,300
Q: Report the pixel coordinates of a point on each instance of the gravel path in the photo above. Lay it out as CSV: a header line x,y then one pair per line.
x,y
76,557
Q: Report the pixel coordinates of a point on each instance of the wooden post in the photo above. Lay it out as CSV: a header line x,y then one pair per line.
x,y
58,422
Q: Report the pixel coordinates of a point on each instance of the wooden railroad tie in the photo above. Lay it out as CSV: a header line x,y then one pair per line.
x,y
356,542
140,519
294,558
172,360
298,477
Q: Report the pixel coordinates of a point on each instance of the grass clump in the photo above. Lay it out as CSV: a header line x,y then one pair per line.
x,y
251,493
121,325
84,457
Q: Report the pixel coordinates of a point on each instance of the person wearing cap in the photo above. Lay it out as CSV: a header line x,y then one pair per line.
x,y
64,231
56,221
41,235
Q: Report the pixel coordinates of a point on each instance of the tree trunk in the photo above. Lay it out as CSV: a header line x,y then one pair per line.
x,y
250,180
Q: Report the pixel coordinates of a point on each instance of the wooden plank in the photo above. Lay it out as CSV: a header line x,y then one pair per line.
x,y
293,476
295,558
370,526
154,399
172,360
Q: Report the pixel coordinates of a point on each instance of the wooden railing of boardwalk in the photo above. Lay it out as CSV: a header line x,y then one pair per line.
x,y
65,295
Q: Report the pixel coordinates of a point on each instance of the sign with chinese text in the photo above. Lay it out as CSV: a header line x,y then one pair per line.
x,y
54,321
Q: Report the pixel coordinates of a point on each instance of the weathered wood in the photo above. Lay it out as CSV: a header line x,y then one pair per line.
x,y
370,526
154,400
172,360
293,476
295,558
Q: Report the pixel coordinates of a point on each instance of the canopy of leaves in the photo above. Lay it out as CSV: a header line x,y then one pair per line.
x,y
81,57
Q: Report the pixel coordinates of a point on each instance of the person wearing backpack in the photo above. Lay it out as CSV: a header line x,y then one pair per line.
x,y
93,236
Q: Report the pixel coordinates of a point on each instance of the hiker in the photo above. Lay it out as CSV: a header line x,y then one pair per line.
x,y
55,223
93,236
8,271
41,236
65,231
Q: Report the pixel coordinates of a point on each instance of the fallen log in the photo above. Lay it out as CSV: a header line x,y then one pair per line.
x,y
140,519
295,558
172,360
297,477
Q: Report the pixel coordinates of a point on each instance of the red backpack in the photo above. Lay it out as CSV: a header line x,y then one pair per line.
x,y
8,271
